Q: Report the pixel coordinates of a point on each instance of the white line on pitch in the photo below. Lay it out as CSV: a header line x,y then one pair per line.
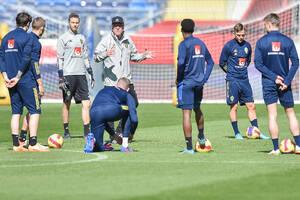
x,y
99,157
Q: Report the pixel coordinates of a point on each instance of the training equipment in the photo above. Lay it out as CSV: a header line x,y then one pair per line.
x,y
274,152
238,136
186,151
287,146
253,132
38,148
127,149
90,143
19,148
203,148
55,141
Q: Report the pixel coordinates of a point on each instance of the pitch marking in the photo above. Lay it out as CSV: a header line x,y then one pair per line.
x,y
99,157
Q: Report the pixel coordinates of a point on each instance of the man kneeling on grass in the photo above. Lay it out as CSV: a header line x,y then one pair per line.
x,y
112,104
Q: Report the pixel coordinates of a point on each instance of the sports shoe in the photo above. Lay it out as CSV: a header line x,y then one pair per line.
x,y
24,144
38,148
67,136
19,148
90,143
202,141
274,152
127,149
186,151
262,136
297,150
238,136
107,147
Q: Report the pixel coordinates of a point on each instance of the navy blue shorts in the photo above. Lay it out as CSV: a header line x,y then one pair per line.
x,y
189,97
25,95
238,91
271,94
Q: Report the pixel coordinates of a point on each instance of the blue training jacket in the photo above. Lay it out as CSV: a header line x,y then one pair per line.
x,y
15,53
114,95
35,55
192,54
272,54
235,59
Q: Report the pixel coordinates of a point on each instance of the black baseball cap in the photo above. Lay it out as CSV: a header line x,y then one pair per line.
x,y
117,20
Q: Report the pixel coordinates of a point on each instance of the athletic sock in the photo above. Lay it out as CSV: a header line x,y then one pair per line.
x,y
15,139
66,128
23,134
86,128
235,127
125,142
32,140
275,143
297,140
201,134
254,123
188,141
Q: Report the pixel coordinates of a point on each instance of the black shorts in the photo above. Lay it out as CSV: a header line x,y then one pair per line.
x,y
78,88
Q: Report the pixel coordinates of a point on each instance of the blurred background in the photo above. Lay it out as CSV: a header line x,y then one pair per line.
x,y
153,25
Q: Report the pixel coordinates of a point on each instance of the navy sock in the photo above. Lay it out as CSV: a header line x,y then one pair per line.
x,y
201,134
275,143
188,141
23,134
235,127
15,139
86,128
297,140
32,140
66,128
254,123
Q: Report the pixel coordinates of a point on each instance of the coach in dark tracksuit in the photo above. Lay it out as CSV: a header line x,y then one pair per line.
x,y
272,54
191,77
15,56
111,104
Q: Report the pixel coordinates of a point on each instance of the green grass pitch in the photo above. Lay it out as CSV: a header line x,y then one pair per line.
x,y
235,169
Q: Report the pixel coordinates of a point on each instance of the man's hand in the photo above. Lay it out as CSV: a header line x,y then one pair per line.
x,y
283,87
111,51
149,54
13,82
92,81
279,80
41,90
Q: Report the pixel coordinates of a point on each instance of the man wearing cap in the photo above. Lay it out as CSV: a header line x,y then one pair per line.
x,y
116,50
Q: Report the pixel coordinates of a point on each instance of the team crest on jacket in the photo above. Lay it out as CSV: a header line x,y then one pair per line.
x,y
242,61
81,41
77,51
235,52
11,44
246,50
197,49
275,46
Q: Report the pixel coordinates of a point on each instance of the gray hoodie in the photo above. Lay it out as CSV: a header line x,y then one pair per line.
x,y
117,65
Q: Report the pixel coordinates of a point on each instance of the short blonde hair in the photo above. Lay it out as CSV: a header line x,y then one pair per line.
x,y
124,82
273,18
38,22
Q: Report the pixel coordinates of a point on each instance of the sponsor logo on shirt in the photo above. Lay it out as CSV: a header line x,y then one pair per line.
x,y
77,51
11,44
275,46
242,62
197,50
